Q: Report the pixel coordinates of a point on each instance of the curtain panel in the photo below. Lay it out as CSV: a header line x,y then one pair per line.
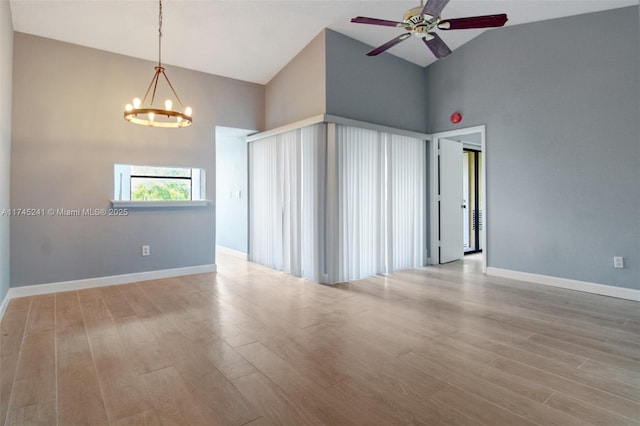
x,y
381,202
334,203
284,181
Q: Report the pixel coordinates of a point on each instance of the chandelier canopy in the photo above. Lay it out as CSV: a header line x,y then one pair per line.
x,y
146,114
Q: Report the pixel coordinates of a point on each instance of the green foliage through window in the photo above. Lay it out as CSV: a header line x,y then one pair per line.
x,y
161,191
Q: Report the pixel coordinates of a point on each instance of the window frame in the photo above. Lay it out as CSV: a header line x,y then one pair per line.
x,y
122,187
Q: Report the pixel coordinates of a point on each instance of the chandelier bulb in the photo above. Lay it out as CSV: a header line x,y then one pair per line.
x,y
188,111
136,103
168,104
128,107
151,116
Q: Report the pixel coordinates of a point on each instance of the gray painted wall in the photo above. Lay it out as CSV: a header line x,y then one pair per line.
x,y
6,68
563,148
383,89
333,75
232,190
68,131
298,90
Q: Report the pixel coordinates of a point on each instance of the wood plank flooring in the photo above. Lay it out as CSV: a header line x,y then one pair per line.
x,y
251,346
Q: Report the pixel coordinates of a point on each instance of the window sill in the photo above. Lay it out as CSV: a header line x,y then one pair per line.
x,y
158,204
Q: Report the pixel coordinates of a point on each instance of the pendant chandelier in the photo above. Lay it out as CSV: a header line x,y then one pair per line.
x,y
148,115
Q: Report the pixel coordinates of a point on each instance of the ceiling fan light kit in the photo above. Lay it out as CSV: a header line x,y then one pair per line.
x,y
422,20
139,112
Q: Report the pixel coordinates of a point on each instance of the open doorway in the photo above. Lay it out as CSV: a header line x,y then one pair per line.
x,y
231,207
451,201
473,194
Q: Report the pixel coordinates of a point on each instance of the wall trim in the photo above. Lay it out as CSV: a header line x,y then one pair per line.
x,y
286,128
584,286
34,290
329,118
231,252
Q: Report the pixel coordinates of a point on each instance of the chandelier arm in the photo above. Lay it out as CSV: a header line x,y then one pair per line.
x,y
172,89
155,86
154,79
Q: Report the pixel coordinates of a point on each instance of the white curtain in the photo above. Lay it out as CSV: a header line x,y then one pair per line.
x,y
361,213
289,181
406,198
313,143
364,218
283,221
265,203
381,202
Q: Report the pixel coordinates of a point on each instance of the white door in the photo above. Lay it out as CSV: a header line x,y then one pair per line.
x,y
451,201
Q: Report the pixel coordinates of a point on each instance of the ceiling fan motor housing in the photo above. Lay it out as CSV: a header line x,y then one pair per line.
x,y
418,24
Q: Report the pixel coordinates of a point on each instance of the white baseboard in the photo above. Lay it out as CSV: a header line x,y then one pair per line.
x,y
34,290
232,252
587,287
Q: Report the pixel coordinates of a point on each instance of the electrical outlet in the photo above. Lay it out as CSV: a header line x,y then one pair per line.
x,y
146,250
618,262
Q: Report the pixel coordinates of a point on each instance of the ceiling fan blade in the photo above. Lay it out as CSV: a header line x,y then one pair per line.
x,y
374,21
434,7
437,46
487,21
389,44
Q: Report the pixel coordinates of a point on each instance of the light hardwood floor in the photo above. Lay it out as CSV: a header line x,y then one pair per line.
x,y
251,346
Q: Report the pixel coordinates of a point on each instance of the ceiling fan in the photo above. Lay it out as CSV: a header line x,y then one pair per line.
x,y
421,20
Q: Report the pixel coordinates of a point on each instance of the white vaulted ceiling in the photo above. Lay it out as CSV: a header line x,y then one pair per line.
x,y
253,40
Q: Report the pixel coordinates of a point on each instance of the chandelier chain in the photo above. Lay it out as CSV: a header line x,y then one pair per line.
x,y
160,34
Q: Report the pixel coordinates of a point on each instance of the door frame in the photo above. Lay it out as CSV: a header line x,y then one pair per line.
x,y
434,184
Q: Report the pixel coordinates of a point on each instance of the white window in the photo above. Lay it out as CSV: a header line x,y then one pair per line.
x,y
152,183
